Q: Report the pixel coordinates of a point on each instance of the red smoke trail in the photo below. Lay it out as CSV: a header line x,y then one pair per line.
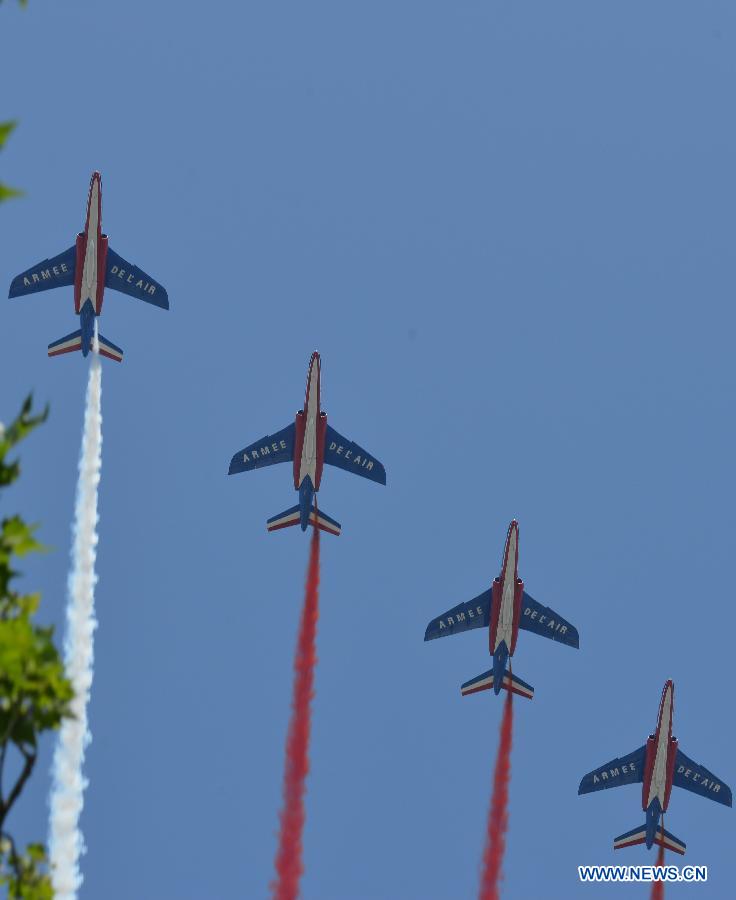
x,y
289,865
498,814
658,886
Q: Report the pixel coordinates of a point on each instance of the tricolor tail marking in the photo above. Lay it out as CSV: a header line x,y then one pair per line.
x,y
67,344
317,518
108,349
484,682
639,836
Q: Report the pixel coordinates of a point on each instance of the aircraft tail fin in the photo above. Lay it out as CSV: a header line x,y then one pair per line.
x,y
484,682
291,516
108,349
662,837
67,344
73,341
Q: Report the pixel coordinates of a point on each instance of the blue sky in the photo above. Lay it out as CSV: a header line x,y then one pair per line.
x,y
508,228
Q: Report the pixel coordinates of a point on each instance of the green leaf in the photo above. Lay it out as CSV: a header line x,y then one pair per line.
x,y
21,426
7,193
26,875
13,434
5,129
34,689
17,538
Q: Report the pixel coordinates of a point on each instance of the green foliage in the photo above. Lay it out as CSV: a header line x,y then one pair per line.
x,y
34,693
26,879
5,129
14,434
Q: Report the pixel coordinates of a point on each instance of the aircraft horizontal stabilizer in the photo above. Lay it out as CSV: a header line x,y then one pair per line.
x,y
110,350
67,344
484,682
639,835
317,518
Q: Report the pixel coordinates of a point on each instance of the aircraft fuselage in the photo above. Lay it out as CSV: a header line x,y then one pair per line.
x,y
659,765
506,593
89,280
309,443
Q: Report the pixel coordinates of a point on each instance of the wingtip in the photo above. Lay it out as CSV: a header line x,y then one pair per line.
x,y
233,467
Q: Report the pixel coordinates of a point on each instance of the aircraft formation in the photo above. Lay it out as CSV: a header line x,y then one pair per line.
x,y
90,266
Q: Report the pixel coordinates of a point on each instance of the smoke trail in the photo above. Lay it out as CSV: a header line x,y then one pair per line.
x,y
498,814
289,864
658,886
67,798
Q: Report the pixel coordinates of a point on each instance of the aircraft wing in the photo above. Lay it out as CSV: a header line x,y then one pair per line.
x,y
49,273
463,617
626,770
272,449
120,275
545,621
696,778
344,454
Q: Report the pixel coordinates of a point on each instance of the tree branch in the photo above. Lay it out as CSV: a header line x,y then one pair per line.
x,y
12,722
30,761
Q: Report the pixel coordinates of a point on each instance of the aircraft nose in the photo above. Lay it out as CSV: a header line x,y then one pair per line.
x,y
315,363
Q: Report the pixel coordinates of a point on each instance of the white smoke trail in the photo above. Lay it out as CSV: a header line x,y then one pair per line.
x,y
66,842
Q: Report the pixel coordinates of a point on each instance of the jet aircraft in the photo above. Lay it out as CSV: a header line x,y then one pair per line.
x,y
309,442
657,766
91,266
504,609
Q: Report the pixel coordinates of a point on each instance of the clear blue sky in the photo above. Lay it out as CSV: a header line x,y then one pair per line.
x,y
509,229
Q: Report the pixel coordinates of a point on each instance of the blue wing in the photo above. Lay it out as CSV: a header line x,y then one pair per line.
x,y
699,780
344,454
463,617
49,273
272,449
123,276
545,621
626,770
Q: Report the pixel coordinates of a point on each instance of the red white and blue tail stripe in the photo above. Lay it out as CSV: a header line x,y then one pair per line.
x,y
484,682
67,344
291,517
108,349
639,836
73,342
